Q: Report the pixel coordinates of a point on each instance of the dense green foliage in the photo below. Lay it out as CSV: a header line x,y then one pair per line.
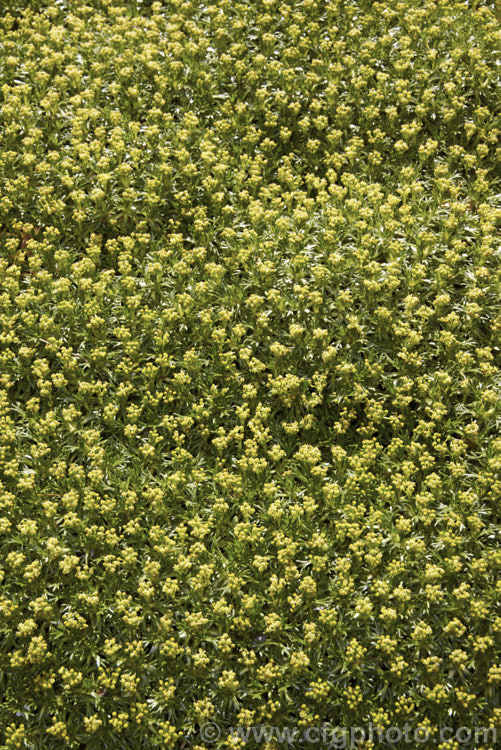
x,y
249,327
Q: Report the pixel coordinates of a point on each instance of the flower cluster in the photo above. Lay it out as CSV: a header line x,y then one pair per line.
x,y
249,349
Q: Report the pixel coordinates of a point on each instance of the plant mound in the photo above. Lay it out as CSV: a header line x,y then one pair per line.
x,y
249,347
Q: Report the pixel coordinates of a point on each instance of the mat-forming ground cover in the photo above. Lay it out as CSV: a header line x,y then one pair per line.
x,y
249,339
